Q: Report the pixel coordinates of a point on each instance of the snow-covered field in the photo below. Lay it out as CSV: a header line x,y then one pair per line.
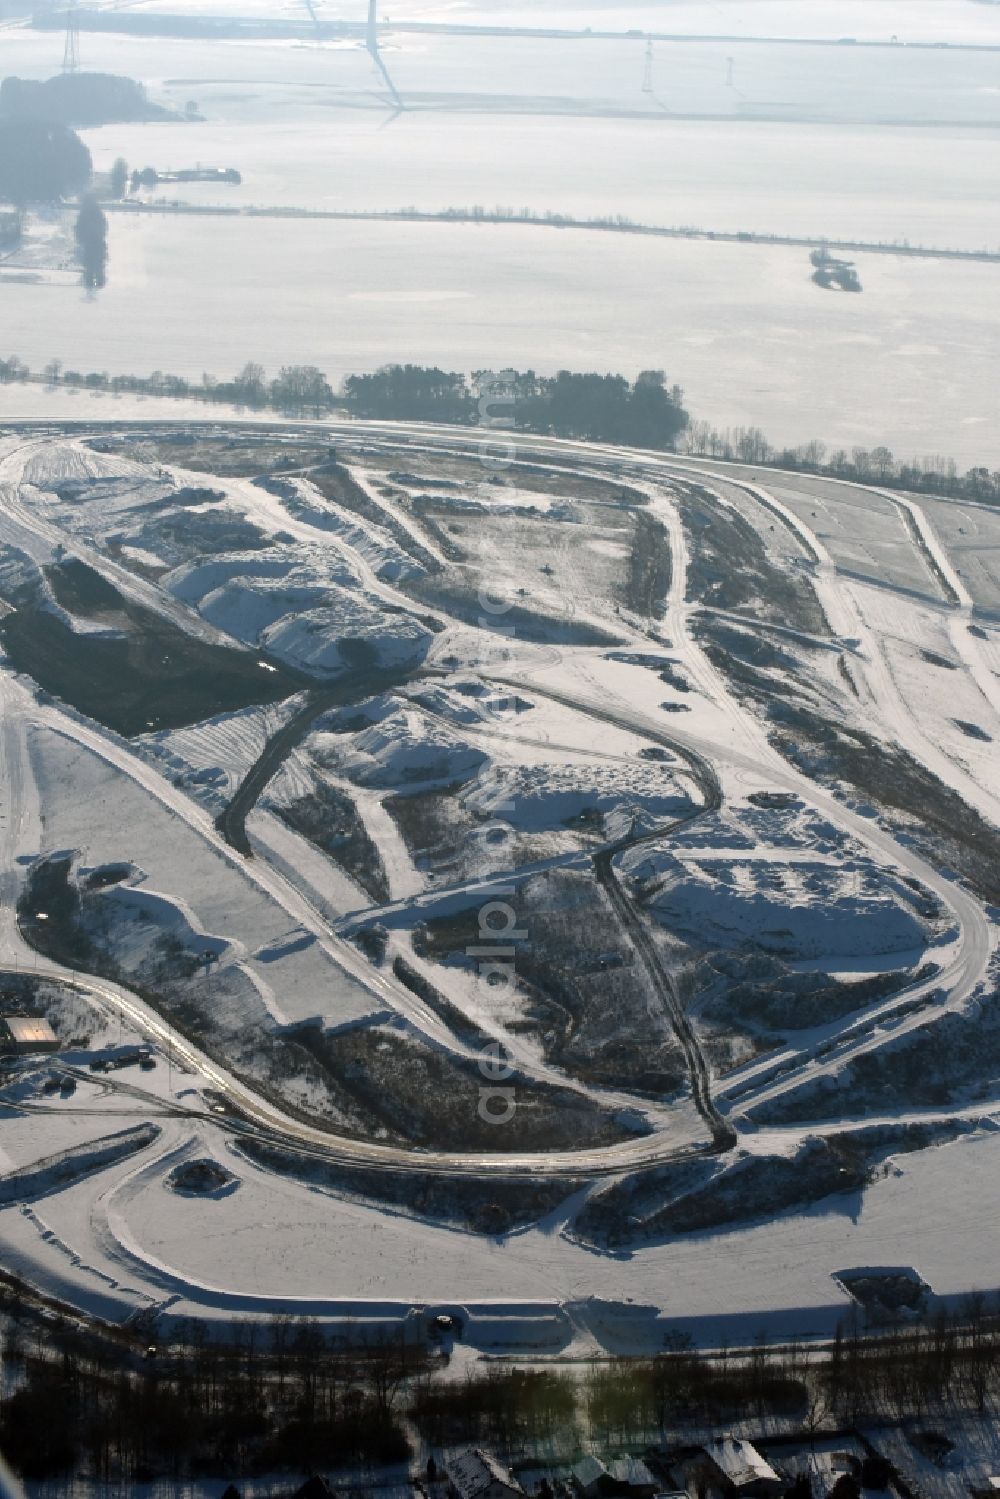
x,y
882,143
964,22
972,536
874,20
534,1292
887,184
183,879
741,328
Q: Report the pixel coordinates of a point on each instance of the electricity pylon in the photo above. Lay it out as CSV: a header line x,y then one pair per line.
x,y
647,78
71,49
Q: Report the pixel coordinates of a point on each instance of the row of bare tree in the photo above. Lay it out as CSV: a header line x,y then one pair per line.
x,y
289,1395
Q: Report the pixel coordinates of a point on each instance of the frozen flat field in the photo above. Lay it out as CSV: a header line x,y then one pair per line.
x,y
887,184
971,534
557,75
744,330
306,124
776,1275
963,22
799,139
864,533
868,20
68,404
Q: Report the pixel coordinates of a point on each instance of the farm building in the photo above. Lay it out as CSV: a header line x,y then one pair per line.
x,y
22,1034
477,1475
591,1477
728,1466
622,1476
629,1475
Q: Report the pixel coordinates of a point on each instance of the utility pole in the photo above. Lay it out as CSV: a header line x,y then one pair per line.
x,y
730,64
71,49
647,78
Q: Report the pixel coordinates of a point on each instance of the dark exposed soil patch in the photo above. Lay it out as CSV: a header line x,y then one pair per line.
x,y
153,676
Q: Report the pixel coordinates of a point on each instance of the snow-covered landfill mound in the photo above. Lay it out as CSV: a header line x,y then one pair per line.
x,y
618,797
144,927
19,571
300,608
404,749
272,565
22,577
314,640
801,909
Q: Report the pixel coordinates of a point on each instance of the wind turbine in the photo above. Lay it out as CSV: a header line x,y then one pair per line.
x,y
371,42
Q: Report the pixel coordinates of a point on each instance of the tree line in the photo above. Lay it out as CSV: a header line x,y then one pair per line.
x,y
934,474
43,161
298,389
645,413
282,1397
603,408
82,100
288,1395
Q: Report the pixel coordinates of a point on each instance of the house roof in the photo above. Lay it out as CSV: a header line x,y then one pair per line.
x,y
29,1030
313,1488
472,1473
631,1471
740,1461
588,1470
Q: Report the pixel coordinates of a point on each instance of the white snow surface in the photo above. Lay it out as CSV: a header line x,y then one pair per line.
x,y
933,1209
799,908
404,749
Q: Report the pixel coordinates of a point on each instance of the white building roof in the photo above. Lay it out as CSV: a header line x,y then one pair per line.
x,y
631,1471
473,1472
588,1470
740,1461
29,1030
